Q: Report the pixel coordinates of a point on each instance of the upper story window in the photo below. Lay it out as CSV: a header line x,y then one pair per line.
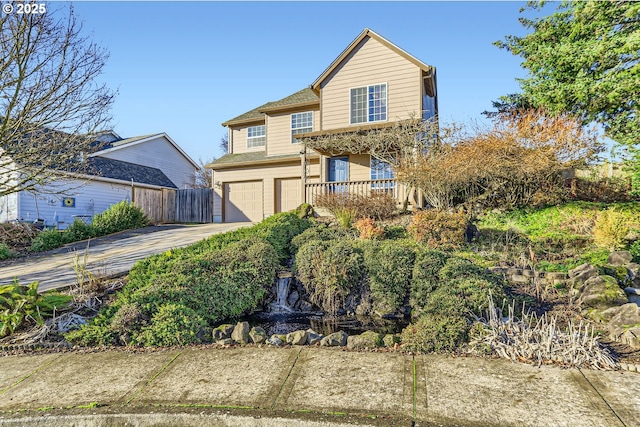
x,y
369,103
256,136
301,123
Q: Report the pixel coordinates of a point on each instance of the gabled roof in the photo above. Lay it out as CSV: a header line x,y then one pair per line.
x,y
102,167
303,98
128,142
371,34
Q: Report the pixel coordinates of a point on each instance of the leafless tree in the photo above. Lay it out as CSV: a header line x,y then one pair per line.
x,y
51,104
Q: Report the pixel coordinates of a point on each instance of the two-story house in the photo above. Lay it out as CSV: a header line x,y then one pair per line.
x,y
371,84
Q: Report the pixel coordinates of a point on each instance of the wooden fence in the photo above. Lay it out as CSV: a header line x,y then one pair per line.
x,y
175,206
194,205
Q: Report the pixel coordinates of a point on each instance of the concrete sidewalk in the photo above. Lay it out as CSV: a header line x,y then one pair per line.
x,y
296,386
107,256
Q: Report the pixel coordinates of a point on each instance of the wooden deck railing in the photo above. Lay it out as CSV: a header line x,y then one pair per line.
x,y
362,188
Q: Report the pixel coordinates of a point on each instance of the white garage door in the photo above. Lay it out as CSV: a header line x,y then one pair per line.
x,y
243,201
288,194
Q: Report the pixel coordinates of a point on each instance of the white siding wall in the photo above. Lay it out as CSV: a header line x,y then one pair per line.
x,y
371,63
90,198
158,153
9,207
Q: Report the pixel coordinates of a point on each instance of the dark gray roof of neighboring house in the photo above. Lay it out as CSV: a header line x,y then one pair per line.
x,y
304,96
124,171
125,141
244,159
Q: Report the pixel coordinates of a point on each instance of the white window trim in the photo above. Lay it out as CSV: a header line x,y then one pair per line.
x,y
368,86
250,138
306,127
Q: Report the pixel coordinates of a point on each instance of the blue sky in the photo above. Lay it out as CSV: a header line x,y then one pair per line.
x,y
185,67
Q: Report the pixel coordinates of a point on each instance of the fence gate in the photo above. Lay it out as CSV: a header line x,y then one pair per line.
x,y
194,205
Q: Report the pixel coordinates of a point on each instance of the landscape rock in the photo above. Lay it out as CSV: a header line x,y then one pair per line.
x,y
222,332
631,337
313,337
336,339
305,306
275,340
369,339
297,337
620,258
240,333
634,274
581,274
257,335
624,326
226,341
601,292
293,298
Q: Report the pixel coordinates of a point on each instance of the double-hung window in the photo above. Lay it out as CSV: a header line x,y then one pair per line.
x,y
301,123
256,136
369,103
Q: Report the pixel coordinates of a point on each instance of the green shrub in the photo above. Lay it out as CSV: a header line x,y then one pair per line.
x,y
5,251
329,270
120,216
439,229
213,285
79,231
389,265
395,232
172,324
634,249
321,232
279,230
47,240
425,277
432,332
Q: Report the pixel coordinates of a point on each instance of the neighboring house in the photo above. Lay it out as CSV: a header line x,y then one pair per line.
x,y
372,83
112,174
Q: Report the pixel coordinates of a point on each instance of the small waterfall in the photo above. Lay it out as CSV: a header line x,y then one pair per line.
x,y
282,292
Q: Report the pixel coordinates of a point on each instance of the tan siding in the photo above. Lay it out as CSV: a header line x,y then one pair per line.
x,y
371,63
359,167
240,141
279,131
268,175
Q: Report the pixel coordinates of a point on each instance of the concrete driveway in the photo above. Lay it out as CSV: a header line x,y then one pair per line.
x,y
106,256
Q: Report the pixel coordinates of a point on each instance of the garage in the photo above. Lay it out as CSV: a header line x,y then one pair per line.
x,y
243,201
288,195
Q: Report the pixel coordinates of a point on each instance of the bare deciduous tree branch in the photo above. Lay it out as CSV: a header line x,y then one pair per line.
x,y
51,105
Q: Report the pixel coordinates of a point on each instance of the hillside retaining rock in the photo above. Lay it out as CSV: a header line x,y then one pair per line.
x,y
222,332
240,333
336,339
601,292
366,340
257,335
297,337
620,258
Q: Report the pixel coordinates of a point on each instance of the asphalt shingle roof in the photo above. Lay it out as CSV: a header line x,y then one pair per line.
x,y
301,97
125,171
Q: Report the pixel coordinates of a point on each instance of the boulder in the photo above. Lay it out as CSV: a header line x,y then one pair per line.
x,y
225,341
313,337
369,339
293,298
297,337
240,333
222,332
336,339
620,258
601,292
257,335
275,340
581,274
624,326
305,306
634,274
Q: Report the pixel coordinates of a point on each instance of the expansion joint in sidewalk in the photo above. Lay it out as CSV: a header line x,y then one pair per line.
x,y
286,379
160,371
602,397
43,366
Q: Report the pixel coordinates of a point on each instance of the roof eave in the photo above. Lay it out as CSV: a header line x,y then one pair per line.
x,y
289,107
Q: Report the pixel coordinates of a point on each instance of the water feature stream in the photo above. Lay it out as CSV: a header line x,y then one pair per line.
x,y
288,312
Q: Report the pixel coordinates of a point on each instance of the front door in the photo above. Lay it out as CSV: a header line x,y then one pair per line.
x,y
338,171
